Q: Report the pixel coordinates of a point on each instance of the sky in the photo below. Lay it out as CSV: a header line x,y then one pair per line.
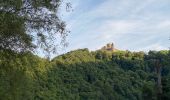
x,y
135,25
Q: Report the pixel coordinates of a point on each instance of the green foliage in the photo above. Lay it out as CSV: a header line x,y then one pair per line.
x,y
83,75
29,24
18,73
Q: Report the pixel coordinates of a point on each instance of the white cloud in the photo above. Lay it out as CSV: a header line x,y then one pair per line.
x,y
155,46
131,24
164,24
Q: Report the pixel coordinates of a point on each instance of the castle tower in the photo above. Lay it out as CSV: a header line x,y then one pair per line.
x,y
109,47
112,46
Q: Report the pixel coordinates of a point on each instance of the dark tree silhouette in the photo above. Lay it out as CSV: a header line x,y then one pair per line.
x,y
29,24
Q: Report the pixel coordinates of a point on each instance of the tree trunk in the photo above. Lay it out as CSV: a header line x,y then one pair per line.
x,y
159,79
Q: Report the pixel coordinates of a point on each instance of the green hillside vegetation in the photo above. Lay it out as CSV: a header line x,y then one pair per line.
x,y
84,75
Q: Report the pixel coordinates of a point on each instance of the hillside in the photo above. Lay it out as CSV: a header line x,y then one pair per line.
x,y
85,75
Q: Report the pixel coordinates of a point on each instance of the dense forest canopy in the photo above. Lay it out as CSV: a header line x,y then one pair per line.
x,y
84,75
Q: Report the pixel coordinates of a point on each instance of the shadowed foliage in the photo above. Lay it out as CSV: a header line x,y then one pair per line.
x,y
83,75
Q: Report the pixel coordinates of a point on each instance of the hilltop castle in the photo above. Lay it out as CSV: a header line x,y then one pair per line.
x,y
109,47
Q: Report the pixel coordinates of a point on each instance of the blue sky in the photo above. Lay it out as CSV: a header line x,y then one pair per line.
x,y
136,25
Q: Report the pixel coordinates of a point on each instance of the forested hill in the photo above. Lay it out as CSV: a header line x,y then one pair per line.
x,y
85,75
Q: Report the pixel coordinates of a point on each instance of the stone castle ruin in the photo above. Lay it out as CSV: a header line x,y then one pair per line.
x,y
109,47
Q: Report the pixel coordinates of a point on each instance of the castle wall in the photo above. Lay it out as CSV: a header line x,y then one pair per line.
x,y
109,47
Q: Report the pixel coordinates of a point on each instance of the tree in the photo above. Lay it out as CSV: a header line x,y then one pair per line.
x,y
30,24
